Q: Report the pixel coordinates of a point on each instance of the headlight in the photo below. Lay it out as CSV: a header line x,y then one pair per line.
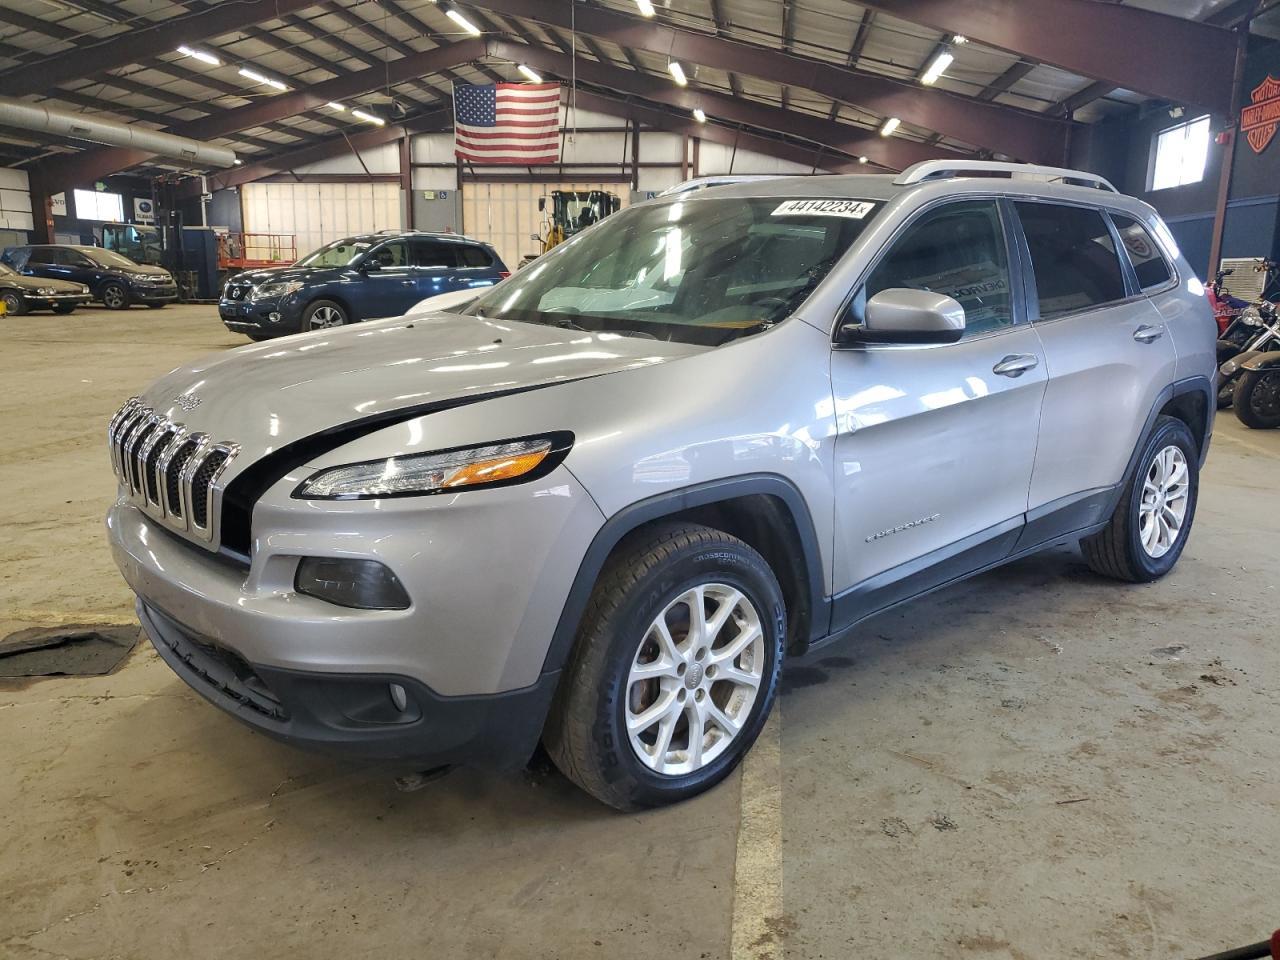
x,y
1229,368
497,464
84,290
271,290
44,291
1251,317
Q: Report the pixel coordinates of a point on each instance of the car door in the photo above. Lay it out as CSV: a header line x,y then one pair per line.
x,y
935,443
391,289
80,269
1108,354
41,262
435,267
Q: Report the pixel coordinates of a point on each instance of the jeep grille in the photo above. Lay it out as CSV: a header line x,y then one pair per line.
x,y
169,472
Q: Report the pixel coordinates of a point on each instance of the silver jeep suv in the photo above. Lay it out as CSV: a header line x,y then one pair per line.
x,y
598,506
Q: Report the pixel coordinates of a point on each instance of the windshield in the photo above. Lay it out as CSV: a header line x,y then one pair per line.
x,y
695,271
108,258
336,254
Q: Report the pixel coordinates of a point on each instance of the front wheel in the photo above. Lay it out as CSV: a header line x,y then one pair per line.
x,y
64,308
115,296
14,304
1150,524
674,671
323,314
1257,398
156,306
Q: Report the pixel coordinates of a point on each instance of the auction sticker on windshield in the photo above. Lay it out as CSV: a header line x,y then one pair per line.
x,y
854,209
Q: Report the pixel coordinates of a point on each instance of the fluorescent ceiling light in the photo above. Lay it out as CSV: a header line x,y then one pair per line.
x,y
529,73
677,73
936,67
200,55
462,21
862,159
259,78
336,106
959,39
889,126
699,115
368,117
646,8
237,161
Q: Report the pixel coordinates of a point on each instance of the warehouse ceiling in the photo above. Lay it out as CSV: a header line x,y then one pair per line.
x,y
840,69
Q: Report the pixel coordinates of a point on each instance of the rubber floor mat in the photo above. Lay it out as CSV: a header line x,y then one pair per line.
x,y
76,650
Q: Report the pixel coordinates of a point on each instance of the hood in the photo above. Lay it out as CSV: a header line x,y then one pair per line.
x,y
36,283
267,395
291,272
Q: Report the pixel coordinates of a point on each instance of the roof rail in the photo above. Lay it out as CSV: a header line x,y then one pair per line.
x,y
945,169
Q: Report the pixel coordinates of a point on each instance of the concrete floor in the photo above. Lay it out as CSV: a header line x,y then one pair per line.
x,y
1036,764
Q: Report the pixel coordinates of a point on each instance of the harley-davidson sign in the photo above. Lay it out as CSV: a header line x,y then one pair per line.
x,y
1258,120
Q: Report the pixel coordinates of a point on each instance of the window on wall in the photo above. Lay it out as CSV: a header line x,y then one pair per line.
x,y
1180,154
95,205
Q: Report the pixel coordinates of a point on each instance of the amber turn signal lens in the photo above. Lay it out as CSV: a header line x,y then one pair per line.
x,y
499,468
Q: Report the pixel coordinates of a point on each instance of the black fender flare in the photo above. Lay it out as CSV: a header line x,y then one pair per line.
x,y
672,502
1268,360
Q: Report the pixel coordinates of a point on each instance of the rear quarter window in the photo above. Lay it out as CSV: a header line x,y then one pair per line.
x,y
471,256
1144,253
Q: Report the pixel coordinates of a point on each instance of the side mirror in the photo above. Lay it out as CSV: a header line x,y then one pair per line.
x,y
370,265
535,236
902,315
542,204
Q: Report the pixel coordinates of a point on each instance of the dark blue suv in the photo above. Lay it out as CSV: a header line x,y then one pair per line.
x,y
359,278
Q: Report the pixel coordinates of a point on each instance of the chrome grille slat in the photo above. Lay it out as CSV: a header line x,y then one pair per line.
x,y
169,472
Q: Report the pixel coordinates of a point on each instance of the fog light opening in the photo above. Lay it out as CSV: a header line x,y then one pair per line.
x,y
399,698
273,317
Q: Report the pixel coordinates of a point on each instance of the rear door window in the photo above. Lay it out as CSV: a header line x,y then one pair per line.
x,y
958,249
431,253
1148,262
41,256
1073,257
473,256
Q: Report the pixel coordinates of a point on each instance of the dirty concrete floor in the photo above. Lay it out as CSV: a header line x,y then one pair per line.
x,y
1036,764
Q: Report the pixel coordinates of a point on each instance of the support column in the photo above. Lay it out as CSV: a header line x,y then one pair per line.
x,y
1232,130
406,178
41,211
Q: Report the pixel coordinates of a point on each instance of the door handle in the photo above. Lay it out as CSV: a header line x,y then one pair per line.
x,y
1148,333
1016,364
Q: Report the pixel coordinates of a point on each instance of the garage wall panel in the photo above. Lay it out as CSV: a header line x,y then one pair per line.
x,y
505,214
319,213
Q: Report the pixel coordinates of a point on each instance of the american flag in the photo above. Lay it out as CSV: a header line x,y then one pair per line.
x,y
511,123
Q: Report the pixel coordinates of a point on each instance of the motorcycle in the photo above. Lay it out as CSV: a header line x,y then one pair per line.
x,y
1262,322
1226,308
1256,395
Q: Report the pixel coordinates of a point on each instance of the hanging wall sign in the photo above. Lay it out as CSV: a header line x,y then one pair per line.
x,y
1258,120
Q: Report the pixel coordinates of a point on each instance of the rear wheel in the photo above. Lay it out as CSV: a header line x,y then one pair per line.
x,y
1149,527
1257,399
323,314
674,671
115,296
14,303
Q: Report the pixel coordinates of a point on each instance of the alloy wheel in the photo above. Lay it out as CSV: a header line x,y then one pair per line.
x,y
12,304
326,317
694,679
1163,509
113,297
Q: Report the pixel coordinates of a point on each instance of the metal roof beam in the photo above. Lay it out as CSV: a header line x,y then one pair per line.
x,y
1019,134
87,59
895,153
92,164
1127,46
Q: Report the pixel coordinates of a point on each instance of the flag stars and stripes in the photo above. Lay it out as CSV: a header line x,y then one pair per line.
x,y
507,123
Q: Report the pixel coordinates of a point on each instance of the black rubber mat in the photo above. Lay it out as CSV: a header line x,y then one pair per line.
x,y
76,650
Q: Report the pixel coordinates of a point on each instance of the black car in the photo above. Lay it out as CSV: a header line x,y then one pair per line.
x,y
113,279
20,294
359,278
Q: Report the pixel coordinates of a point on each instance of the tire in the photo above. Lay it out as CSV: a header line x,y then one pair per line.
x,y
15,305
115,296
1257,399
1226,393
587,735
65,308
157,306
1118,551
324,314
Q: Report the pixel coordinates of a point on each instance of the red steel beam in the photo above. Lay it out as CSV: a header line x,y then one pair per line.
x,y
435,121
662,120
85,60
1017,133
894,153
1140,50
93,164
